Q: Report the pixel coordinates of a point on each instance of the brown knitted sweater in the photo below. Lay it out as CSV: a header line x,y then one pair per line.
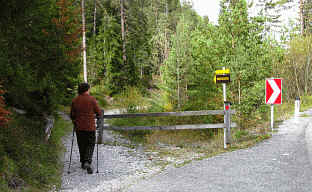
x,y
83,110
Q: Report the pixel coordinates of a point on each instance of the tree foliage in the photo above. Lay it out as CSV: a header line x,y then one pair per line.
x,y
167,44
296,67
40,58
246,52
109,54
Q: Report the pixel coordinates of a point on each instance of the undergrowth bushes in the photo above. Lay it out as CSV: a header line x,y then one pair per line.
x,y
134,102
27,161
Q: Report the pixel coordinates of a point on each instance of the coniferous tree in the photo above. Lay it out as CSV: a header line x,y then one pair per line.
x,y
40,62
109,53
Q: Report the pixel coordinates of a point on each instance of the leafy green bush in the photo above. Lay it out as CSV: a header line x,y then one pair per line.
x,y
98,91
306,102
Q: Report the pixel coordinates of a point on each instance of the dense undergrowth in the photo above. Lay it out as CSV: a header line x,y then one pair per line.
x,y
27,162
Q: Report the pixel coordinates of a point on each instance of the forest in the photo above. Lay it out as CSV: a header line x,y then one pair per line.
x,y
161,52
158,47
161,48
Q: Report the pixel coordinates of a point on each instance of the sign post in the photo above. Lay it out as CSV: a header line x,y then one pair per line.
x,y
272,117
223,76
273,95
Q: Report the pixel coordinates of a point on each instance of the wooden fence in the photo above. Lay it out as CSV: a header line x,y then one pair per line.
x,y
226,125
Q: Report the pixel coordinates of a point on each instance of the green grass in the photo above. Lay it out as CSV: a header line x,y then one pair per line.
x,y
27,161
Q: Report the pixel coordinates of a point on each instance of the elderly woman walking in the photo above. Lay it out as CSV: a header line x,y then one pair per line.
x,y
84,109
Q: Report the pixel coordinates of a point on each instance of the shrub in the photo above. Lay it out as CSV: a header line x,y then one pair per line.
x,y
4,114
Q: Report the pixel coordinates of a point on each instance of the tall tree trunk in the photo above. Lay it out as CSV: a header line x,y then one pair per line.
x,y
166,34
123,33
239,91
84,49
94,41
296,78
302,23
307,74
94,18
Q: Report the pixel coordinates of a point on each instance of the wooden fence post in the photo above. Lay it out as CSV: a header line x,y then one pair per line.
x,y
227,123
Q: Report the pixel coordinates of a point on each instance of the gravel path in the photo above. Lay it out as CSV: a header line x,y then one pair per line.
x,y
280,164
118,166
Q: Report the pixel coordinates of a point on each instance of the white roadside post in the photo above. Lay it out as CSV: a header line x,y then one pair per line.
x,y
297,105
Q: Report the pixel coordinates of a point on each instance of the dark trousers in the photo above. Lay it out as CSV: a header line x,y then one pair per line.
x,y
86,143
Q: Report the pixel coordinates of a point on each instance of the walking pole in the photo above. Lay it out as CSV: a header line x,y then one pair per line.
x,y
99,124
97,146
97,157
71,151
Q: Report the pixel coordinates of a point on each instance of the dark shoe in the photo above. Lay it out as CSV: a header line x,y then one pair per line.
x,y
89,170
88,167
83,166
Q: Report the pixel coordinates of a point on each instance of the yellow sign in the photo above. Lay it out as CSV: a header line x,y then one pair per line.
x,y
223,71
222,76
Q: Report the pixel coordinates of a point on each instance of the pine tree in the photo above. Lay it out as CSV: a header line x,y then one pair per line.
x,y
40,63
109,54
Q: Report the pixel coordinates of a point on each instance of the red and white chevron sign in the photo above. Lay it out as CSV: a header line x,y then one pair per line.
x,y
273,91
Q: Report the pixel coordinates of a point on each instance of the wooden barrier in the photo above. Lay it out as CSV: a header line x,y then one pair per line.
x,y
226,125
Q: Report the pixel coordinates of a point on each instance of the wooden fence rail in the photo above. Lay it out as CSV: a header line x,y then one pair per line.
x,y
226,125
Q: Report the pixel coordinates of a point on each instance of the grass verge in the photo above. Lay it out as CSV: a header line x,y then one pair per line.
x,y
27,162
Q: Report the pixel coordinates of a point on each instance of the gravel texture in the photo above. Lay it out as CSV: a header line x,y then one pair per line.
x,y
118,166
280,164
